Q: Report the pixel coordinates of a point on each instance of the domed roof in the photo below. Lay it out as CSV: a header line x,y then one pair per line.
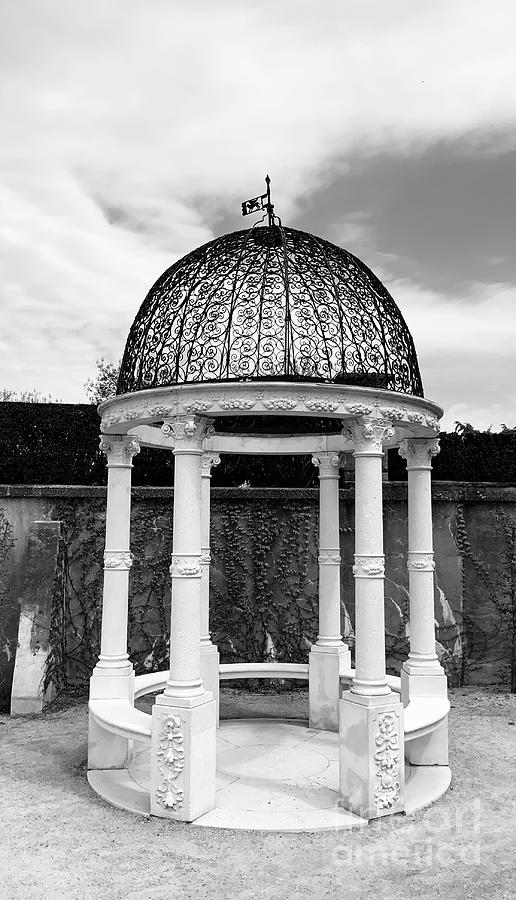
x,y
269,303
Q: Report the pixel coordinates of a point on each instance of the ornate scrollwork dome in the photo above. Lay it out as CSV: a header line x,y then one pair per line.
x,y
269,303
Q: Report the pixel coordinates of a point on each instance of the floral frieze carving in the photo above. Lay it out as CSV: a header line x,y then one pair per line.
x,y
197,406
369,566
329,557
420,562
171,761
359,409
237,403
117,559
392,412
279,403
320,405
433,423
387,761
185,566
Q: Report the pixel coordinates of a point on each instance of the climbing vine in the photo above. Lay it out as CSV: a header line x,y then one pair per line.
x,y
488,628
9,607
264,587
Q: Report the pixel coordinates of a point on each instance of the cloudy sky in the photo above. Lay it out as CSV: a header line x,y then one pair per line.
x,y
133,130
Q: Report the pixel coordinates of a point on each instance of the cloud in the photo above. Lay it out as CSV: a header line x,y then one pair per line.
x,y
131,128
443,217
465,349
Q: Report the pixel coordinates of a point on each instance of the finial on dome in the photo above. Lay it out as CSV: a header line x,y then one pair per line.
x,y
256,204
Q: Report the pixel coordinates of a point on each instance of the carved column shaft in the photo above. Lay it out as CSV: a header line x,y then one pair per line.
x,y
370,678
119,450
185,678
329,551
208,461
418,453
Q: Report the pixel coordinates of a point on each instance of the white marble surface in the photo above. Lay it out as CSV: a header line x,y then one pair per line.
x,y
271,775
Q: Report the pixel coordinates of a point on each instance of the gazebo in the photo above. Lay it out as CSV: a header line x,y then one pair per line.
x,y
261,325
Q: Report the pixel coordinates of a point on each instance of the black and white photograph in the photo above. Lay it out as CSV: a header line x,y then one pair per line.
x,y
257,449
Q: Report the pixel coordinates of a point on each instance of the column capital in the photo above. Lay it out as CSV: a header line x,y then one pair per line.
x,y
188,432
119,449
368,435
328,462
418,452
209,459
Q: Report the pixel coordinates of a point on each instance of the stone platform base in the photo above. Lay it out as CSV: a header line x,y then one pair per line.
x,y
272,775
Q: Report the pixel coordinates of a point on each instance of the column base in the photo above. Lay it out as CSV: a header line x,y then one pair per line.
x,y
422,681
105,749
324,667
183,747
210,672
371,755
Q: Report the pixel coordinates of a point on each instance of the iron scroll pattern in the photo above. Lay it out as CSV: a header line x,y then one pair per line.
x,y
269,303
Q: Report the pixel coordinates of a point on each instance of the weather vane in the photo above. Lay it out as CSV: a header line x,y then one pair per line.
x,y
259,203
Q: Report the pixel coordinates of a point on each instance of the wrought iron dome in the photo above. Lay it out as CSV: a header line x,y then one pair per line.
x,y
269,303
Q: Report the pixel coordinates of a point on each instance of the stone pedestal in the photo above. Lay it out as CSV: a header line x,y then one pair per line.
x,y
183,759
329,655
210,659
371,756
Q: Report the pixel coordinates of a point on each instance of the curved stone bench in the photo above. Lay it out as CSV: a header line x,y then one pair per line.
x,y
424,715
229,671
156,681
421,716
122,718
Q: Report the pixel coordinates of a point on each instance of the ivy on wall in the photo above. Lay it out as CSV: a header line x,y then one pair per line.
x,y
9,611
264,584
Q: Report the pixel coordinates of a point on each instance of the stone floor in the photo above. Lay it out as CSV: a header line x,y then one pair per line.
x,y
271,775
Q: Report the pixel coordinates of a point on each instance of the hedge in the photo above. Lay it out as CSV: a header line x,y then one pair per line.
x,y
57,443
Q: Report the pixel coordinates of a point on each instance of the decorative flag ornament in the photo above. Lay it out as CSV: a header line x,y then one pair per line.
x,y
256,204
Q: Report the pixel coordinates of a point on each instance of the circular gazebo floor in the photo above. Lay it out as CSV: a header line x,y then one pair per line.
x,y
272,775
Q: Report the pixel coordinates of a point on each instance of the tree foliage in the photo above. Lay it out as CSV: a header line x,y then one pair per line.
x,y
34,396
103,385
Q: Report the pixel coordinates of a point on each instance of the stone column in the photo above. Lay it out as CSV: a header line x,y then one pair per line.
x,y
209,652
371,716
183,717
421,674
113,676
329,655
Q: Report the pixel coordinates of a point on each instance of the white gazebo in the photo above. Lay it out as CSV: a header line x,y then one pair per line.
x,y
276,323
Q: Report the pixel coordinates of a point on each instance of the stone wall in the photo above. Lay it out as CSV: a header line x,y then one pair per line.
x,y
264,575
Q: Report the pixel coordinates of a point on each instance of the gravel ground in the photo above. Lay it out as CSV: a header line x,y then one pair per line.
x,y
59,840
